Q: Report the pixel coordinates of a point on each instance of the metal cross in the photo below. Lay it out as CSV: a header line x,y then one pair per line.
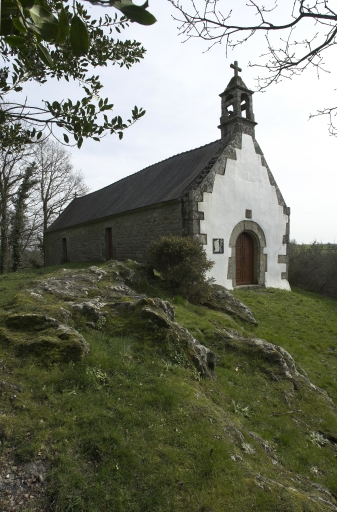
x,y
236,68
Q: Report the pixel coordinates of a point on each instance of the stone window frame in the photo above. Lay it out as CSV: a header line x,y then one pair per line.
x,y
260,263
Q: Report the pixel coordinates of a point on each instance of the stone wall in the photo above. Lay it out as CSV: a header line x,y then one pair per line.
x,y
132,232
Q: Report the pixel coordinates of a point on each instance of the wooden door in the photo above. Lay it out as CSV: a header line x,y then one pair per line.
x,y
65,258
244,259
108,244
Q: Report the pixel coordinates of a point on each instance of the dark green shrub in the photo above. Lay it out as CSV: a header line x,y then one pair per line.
x,y
183,263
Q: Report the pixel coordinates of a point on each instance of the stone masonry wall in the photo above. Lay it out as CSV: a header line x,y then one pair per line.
x,y
131,235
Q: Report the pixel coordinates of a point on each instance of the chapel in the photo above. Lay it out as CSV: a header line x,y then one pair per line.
x,y
223,193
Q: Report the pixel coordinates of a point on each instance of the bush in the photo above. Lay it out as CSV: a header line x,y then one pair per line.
x,y
314,268
183,263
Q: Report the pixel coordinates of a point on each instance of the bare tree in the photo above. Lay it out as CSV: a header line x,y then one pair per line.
x,y
58,183
308,31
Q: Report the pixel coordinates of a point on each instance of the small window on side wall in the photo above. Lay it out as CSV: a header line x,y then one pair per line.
x,y
65,257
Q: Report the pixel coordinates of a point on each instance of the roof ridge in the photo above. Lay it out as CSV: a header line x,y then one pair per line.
x,y
152,165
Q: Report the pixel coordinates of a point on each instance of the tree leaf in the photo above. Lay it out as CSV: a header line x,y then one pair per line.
x,y
139,15
40,15
47,31
19,25
15,41
66,138
63,27
45,55
79,37
135,12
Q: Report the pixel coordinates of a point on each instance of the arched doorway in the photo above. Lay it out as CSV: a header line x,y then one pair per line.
x,y
244,259
255,232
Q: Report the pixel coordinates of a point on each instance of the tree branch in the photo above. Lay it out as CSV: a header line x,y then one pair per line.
x,y
285,57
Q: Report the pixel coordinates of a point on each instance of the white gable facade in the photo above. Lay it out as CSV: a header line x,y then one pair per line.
x,y
243,200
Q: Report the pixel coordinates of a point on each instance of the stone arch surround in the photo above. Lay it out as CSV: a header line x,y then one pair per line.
x,y
256,232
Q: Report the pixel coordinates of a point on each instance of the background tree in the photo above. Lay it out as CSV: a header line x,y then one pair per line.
x,y
11,174
18,221
36,184
295,40
314,268
50,40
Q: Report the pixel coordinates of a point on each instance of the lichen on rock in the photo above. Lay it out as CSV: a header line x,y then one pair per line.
x,y
223,300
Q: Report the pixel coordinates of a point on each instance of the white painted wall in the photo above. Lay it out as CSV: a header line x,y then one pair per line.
x,y
245,185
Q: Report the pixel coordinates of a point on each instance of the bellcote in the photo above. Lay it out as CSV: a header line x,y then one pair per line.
x,y
237,107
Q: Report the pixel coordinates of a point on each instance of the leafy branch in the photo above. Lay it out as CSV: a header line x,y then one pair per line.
x,y
51,40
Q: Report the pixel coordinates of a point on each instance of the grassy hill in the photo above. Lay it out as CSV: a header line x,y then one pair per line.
x,y
132,427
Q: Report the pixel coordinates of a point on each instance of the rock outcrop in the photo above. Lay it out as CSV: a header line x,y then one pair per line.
x,y
223,300
282,364
97,294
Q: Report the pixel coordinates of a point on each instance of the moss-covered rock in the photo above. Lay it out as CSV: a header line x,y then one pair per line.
x,y
158,304
156,317
43,337
54,349
30,322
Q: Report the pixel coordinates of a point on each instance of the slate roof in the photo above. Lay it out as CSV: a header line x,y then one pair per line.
x,y
164,181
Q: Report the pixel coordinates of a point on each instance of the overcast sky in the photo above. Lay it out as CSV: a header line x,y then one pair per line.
x,y
179,85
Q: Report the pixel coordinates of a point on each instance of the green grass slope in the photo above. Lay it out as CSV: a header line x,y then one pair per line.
x,y
132,427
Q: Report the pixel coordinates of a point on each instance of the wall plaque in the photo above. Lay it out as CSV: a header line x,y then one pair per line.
x,y
218,246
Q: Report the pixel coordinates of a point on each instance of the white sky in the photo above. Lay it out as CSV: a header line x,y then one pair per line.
x,y
179,86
